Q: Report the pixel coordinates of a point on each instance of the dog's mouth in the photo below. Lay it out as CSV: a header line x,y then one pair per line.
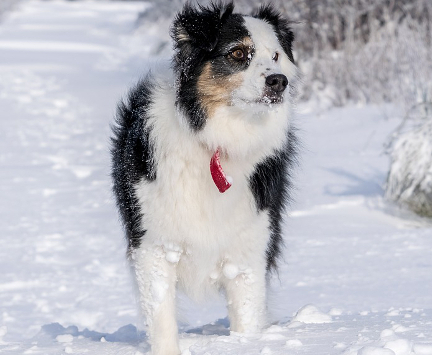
x,y
265,100
271,96
270,99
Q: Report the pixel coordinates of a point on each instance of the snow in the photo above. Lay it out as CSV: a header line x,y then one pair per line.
x,y
67,338
173,256
172,252
351,257
230,271
310,314
294,343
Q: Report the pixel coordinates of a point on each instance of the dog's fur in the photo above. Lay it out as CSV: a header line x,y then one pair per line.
x,y
230,89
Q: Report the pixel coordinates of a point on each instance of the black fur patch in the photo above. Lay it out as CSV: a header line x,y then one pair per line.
x,y
132,157
280,25
201,35
270,184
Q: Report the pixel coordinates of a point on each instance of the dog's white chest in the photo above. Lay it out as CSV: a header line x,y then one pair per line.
x,y
198,227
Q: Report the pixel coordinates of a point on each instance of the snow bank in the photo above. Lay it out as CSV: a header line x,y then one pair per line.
x,y
409,181
310,314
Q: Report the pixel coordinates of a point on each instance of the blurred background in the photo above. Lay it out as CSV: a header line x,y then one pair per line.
x,y
354,50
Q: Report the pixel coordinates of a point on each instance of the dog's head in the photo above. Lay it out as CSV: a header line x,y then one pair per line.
x,y
227,60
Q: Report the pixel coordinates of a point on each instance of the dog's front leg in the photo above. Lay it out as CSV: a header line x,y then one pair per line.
x,y
246,296
156,278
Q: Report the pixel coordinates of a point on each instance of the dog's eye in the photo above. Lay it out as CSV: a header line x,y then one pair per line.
x,y
275,56
238,54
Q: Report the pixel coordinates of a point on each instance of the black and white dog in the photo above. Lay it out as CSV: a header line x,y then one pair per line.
x,y
219,120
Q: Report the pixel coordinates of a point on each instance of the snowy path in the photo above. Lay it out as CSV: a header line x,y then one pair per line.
x,y
63,65
61,256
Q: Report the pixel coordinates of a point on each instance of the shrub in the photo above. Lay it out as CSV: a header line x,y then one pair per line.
x,y
409,181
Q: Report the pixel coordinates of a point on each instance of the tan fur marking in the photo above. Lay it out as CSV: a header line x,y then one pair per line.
x,y
215,90
247,42
182,36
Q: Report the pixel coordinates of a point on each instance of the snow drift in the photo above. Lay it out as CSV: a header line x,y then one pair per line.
x,y
409,181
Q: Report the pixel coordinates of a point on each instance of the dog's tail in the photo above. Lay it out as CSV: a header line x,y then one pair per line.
x,y
132,155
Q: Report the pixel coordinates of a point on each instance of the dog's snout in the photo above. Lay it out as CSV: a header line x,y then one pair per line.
x,y
277,82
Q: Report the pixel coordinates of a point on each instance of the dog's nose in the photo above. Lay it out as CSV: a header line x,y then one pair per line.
x,y
277,82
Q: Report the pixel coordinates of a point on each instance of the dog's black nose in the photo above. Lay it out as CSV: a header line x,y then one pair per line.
x,y
277,82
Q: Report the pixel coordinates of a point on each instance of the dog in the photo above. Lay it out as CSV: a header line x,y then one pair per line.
x,y
202,155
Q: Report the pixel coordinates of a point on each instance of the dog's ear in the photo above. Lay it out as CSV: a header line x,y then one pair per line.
x,y
199,27
281,26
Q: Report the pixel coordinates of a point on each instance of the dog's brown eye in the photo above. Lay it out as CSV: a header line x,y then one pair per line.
x,y
238,54
275,56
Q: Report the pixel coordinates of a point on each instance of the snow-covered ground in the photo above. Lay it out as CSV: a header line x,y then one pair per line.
x,y
358,271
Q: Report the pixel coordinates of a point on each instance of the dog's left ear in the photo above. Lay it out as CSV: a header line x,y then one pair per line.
x,y
200,27
281,26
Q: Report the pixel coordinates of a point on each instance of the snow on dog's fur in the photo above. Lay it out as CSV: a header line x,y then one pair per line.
x,y
229,92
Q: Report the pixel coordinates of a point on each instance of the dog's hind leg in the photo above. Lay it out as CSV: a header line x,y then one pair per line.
x,y
156,278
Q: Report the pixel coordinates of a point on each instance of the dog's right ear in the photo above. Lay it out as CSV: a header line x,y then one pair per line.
x,y
199,27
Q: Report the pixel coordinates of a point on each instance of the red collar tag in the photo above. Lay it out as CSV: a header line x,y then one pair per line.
x,y
221,181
